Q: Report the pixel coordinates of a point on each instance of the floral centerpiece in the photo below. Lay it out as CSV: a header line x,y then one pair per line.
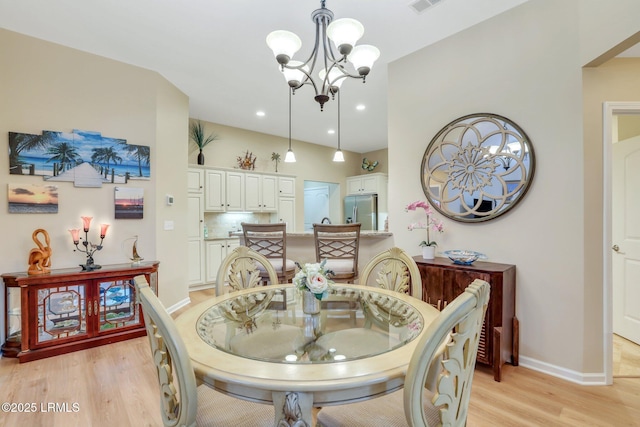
x,y
314,278
430,223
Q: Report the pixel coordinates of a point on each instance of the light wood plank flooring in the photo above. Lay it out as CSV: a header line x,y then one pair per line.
x,y
115,385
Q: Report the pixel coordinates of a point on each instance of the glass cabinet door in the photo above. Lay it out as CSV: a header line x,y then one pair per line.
x,y
117,305
61,313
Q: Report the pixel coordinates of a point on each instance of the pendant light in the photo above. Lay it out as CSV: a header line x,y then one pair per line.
x,y
338,156
290,157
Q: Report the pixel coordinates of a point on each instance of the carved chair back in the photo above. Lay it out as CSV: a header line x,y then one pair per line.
x,y
178,392
458,327
243,268
395,270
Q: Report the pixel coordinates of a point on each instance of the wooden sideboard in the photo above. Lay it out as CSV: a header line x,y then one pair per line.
x,y
70,309
443,281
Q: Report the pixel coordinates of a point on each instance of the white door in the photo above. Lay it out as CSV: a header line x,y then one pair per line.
x,y
626,239
316,205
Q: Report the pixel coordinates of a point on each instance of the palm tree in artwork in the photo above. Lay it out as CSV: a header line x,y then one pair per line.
x,y
64,153
19,142
141,153
105,155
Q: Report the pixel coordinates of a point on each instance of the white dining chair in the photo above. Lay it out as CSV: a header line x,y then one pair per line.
x,y
421,403
182,402
244,268
395,270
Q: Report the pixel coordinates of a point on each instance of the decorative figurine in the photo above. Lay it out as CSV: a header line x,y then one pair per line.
x,y
276,158
134,257
248,162
40,257
369,166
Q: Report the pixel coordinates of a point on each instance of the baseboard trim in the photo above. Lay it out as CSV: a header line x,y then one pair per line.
x,y
563,373
177,306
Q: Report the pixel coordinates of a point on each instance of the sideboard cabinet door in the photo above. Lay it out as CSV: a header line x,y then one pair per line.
x,y
443,281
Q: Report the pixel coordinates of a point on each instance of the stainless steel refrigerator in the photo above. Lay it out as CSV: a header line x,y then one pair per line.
x,y
362,209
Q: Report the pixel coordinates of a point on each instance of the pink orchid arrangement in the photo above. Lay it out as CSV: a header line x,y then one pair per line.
x,y
431,223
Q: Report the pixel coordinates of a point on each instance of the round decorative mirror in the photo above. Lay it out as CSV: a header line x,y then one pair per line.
x,y
477,167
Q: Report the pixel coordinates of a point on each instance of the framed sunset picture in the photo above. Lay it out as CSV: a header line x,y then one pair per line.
x,y
129,203
28,198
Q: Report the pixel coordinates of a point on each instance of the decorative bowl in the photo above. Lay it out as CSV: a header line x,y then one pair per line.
x,y
463,257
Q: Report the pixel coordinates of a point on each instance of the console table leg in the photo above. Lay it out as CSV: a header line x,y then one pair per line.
x,y
497,353
516,342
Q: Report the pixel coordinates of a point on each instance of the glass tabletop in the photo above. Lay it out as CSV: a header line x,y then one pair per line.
x,y
269,324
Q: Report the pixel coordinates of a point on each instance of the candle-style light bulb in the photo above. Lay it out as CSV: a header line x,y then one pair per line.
x,y
103,230
86,221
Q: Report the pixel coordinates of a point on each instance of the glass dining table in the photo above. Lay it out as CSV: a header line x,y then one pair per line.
x,y
258,344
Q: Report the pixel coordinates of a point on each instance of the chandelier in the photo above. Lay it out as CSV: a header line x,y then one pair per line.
x,y
351,62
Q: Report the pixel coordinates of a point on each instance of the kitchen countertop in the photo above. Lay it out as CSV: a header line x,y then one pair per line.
x,y
365,233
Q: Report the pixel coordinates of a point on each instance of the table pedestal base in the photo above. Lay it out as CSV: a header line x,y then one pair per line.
x,y
294,409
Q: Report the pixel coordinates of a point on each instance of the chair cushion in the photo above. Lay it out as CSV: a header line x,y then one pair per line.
x,y
340,266
277,265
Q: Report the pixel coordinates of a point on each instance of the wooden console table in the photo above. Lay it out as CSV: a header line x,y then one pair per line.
x,y
70,309
442,281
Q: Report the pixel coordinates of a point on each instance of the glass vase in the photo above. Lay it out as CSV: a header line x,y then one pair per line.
x,y
310,304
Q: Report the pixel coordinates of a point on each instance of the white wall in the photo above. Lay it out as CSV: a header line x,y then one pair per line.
x,y
526,65
44,86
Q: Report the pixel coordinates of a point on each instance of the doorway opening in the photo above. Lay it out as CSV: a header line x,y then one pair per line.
x,y
321,202
613,111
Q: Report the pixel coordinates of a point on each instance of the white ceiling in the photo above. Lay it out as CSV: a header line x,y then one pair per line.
x,y
215,52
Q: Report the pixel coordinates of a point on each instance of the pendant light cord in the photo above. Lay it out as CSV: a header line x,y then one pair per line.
x,y
290,90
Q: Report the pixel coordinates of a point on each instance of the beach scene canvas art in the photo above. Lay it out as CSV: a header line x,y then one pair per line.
x,y
85,158
26,198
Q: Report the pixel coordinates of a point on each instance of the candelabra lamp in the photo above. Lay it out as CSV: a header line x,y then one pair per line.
x,y
87,247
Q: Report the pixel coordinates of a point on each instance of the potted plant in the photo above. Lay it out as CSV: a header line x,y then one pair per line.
x,y
428,245
196,132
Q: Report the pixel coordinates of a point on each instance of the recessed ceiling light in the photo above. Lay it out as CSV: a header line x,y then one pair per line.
x,y
260,114
331,131
360,107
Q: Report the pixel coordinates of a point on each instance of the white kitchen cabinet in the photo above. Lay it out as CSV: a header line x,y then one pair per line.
x,y
196,262
287,212
286,186
216,251
260,193
215,200
374,183
234,191
195,224
195,180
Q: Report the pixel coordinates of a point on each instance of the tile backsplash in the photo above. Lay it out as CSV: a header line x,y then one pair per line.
x,y
221,224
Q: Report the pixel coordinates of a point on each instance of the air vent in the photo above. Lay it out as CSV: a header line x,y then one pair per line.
x,y
420,6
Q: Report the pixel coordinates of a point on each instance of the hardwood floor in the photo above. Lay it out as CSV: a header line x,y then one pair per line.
x,y
115,385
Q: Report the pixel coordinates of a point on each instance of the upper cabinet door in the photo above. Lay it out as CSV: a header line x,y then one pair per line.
x,y
215,193
252,193
286,186
235,191
195,180
269,193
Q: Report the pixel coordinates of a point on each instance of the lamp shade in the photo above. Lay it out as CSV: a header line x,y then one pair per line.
x,y
334,75
345,33
295,76
290,157
338,156
362,57
284,45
